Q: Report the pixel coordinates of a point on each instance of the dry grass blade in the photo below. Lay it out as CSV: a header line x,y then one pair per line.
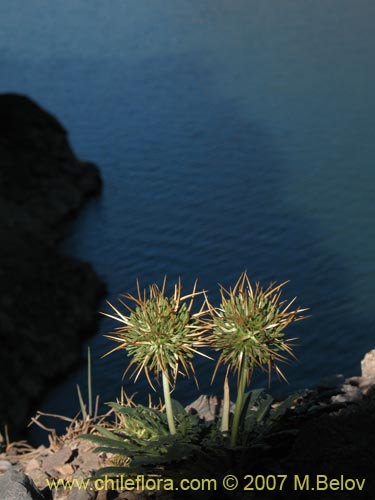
x,y
77,426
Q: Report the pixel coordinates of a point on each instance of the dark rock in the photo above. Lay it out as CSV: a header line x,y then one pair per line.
x,y
17,486
42,183
335,445
48,301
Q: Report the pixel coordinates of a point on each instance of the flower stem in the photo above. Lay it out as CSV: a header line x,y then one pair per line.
x,y
168,404
239,404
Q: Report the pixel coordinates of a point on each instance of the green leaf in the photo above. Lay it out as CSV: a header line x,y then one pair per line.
x,y
101,439
283,407
105,432
81,403
254,396
177,408
264,407
248,419
143,416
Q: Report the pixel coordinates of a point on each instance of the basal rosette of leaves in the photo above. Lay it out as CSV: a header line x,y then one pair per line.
x,y
141,443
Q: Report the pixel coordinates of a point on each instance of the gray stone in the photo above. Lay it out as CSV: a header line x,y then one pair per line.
x,y
355,380
39,477
81,494
208,408
350,393
57,459
5,466
366,384
60,494
75,494
17,486
368,365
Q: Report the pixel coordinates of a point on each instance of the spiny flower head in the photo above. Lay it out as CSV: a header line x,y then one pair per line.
x,y
160,333
249,325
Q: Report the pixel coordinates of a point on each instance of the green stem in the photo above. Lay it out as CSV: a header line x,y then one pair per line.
x,y
239,404
168,404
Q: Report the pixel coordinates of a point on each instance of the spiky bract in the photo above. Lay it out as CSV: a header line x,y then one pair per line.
x,y
160,333
248,327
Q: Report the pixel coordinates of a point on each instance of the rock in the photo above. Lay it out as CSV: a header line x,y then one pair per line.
x,y
31,465
131,495
349,394
208,407
48,302
367,378
341,443
4,466
82,446
17,486
39,477
88,462
75,494
354,381
368,365
60,494
52,462
65,470
81,494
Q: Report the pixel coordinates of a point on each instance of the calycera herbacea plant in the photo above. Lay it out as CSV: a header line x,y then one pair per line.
x,y
248,330
161,335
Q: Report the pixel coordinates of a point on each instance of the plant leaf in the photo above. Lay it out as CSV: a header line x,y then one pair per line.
x,y
177,408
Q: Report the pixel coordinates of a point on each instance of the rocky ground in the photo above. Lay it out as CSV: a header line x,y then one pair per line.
x,y
333,436
48,301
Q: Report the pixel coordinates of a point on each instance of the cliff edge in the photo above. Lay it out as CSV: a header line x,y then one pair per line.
x,y
48,301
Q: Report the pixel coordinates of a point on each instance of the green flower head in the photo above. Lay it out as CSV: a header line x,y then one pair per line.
x,y
248,327
159,333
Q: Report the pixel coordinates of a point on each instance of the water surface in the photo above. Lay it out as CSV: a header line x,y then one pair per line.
x,y
230,136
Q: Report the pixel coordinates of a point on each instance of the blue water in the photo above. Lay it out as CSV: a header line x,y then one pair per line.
x,y
230,136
